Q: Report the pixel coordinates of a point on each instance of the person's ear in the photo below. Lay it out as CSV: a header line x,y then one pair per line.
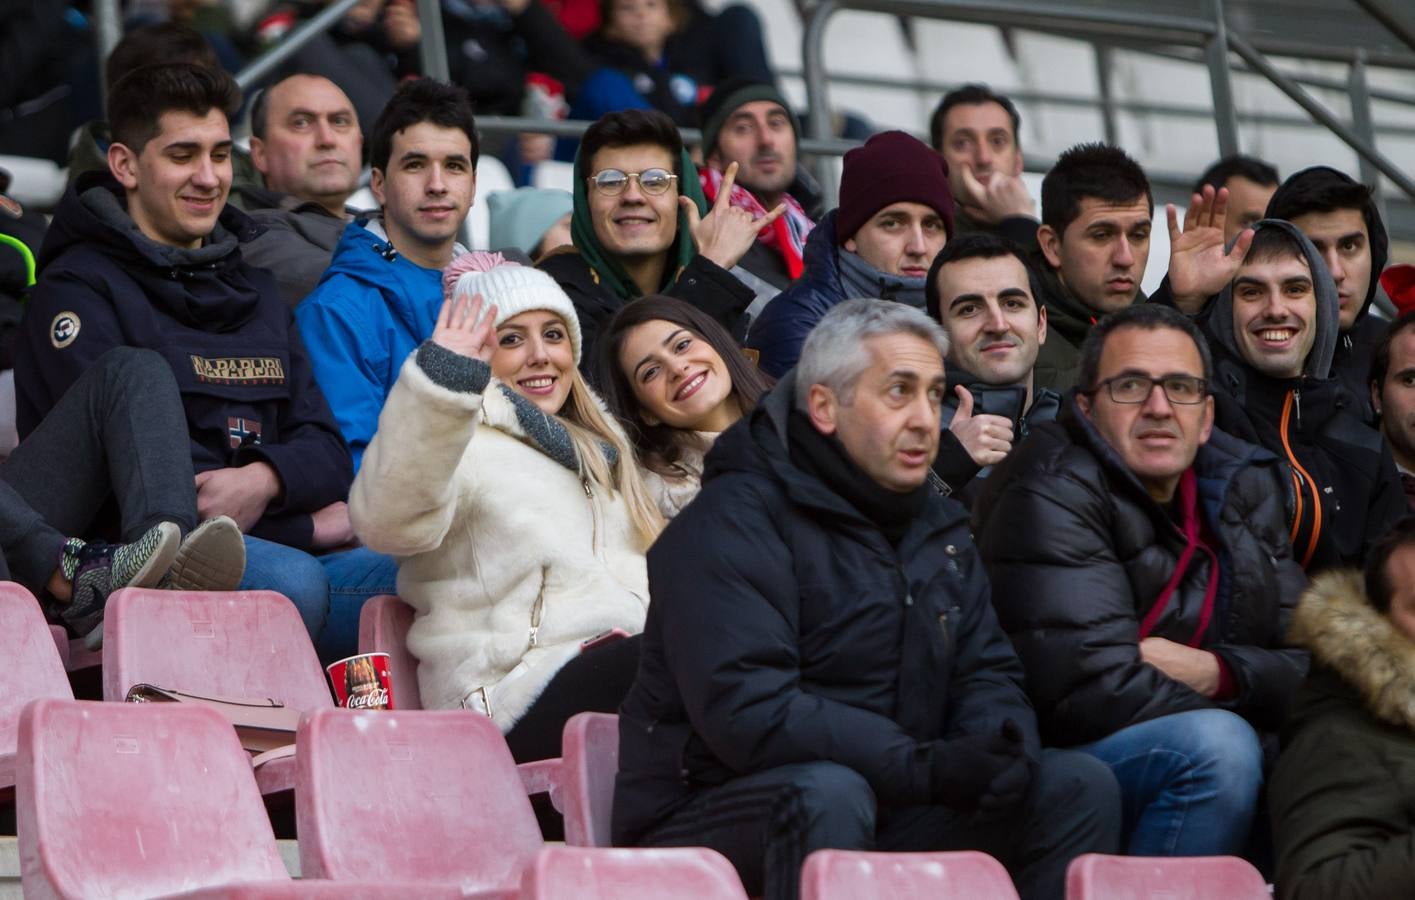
x,y
850,245
1376,398
1050,242
1207,428
375,185
822,407
1041,323
123,164
1083,403
258,154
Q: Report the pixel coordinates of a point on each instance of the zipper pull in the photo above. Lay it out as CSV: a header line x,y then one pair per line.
x,y
585,483
1297,406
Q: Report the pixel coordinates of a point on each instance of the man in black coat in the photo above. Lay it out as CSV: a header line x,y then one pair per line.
x,y
821,667
1140,563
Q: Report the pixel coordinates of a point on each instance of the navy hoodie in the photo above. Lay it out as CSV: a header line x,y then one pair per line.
x,y
243,373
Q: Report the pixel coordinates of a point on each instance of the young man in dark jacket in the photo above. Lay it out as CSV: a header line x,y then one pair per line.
x,y
149,255
639,228
821,667
1140,564
1274,333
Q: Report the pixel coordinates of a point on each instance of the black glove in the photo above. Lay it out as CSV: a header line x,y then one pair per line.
x,y
1010,785
963,769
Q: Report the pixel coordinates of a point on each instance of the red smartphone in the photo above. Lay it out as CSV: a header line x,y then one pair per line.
x,y
604,637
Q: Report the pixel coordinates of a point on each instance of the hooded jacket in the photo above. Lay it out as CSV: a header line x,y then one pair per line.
x,y
1342,791
242,370
1351,358
785,628
598,285
1080,556
1343,480
372,308
1008,401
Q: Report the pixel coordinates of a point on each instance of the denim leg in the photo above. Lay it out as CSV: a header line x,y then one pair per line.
x,y
1189,782
768,822
294,573
354,576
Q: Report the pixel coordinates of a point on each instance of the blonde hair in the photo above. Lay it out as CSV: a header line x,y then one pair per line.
x,y
590,427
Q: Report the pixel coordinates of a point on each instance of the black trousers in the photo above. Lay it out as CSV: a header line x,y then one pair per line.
x,y
594,681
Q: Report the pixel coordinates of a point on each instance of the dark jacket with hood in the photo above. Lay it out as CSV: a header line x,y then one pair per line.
x,y
1081,556
1351,359
785,627
598,285
1343,480
779,333
1344,786
238,359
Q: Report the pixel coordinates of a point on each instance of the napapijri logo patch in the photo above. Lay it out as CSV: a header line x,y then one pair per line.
x,y
242,431
239,370
64,329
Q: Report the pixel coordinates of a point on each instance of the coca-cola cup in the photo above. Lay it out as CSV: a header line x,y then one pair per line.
x,y
362,681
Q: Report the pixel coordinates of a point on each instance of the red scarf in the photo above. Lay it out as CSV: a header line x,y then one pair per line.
x,y
1193,541
787,235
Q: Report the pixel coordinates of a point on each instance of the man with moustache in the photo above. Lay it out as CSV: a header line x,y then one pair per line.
x,y
1140,564
975,130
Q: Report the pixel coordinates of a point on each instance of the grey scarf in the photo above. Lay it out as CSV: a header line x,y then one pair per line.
x,y
860,279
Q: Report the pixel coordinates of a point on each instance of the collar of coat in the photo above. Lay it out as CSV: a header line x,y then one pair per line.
x,y
507,411
1345,634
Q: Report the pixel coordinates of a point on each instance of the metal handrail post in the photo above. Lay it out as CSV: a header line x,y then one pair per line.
x,y
1221,82
813,67
292,43
108,29
432,51
1364,125
1104,57
1390,20
1321,114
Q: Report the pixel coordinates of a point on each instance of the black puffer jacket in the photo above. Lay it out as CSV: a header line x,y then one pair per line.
x,y
1078,553
785,628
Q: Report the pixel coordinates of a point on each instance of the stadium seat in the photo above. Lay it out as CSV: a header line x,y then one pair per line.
x,y
590,747
555,174
247,644
860,875
383,628
424,795
1096,876
492,176
591,873
32,668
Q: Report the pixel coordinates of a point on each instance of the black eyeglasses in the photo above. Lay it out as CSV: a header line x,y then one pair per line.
x,y
611,182
1185,390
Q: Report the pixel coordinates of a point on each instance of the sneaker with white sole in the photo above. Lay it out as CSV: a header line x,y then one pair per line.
x,y
211,558
95,570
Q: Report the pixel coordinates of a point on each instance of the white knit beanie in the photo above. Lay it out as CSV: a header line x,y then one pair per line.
x,y
514,289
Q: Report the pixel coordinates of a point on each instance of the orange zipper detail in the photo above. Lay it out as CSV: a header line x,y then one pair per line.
x,y
1316,500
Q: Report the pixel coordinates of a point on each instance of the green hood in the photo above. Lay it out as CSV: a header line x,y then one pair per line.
x,y
607,267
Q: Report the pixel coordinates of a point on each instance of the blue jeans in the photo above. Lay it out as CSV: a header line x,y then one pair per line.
x,y
329,591
1189,782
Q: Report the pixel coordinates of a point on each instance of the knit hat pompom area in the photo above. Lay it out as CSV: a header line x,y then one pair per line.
x,y
512,287
892,167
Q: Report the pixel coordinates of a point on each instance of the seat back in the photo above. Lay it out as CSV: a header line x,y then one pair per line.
x,y
244,644
590,750
31,668
126,800
383,628
862,875
613,874
1096,876
416,795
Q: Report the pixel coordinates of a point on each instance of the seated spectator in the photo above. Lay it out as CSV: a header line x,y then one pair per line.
x,y
639,228
515,509
676,380
750,124
534,221
117,434
1340,793
1274,332
40,56
895,214
306,144
980,290
379,298
976,131
1393,396
148,254
1341,218
821,666
1250,184
1140,565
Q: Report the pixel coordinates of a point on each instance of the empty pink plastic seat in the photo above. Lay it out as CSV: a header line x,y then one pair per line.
x,y
861,875
61,642
590,760
422,795
383,628
1096,876
638,874
30,668
240,644
334,890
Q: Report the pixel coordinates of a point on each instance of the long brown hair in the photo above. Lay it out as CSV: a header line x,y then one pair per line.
x,y
659,446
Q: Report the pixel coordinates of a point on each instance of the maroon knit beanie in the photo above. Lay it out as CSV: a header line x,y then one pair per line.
x,y
892,167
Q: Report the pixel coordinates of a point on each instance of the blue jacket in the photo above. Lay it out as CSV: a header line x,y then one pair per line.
x,y
780,331
244,377
372,308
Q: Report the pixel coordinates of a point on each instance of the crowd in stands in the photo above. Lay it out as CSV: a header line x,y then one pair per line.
x,y
911,524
